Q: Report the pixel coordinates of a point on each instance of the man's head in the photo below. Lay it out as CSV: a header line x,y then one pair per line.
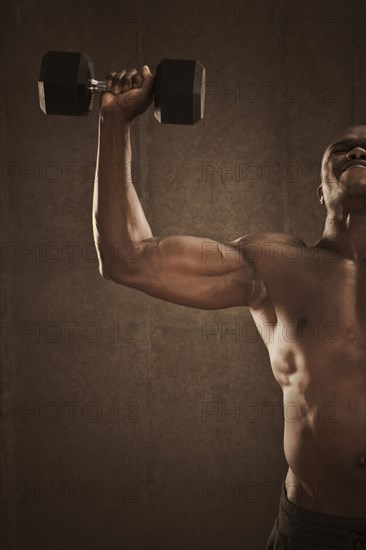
x,y
343,172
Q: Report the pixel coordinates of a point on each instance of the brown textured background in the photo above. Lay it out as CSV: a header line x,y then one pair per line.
x,y
139,465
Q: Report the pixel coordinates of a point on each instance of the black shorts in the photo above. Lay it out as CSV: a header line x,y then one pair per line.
x,y
296,528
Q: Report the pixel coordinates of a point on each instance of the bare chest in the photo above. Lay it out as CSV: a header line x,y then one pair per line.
x,y
323,298
313,319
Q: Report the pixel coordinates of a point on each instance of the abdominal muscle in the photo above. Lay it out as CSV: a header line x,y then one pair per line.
x,y
324,438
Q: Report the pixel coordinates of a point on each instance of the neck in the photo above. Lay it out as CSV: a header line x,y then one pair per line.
x,y
345,230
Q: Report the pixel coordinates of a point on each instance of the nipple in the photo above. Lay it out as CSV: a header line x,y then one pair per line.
x,y
302,322
362,461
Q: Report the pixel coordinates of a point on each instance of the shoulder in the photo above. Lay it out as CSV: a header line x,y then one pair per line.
x,y
269,252
263,238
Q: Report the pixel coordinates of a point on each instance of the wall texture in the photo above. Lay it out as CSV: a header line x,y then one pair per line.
x,y
129,423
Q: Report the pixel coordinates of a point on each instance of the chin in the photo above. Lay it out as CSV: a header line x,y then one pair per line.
x,y
354,177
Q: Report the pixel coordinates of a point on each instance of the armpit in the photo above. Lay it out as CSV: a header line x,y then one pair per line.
x,y
259,292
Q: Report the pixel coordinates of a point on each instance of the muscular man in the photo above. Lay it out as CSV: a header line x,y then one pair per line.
x,y
309,303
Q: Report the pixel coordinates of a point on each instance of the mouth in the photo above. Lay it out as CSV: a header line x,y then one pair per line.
x,y
354,163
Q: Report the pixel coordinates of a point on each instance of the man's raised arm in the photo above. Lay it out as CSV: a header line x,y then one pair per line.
x,y
191,271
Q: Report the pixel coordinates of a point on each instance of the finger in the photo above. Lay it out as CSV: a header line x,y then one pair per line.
x,y
126,83
116,82
109,78
137,80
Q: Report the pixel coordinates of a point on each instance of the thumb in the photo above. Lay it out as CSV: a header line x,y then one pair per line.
x,y
148,77
146,71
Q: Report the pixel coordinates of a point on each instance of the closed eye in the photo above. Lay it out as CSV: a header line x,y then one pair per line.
x,y
339,150
345,145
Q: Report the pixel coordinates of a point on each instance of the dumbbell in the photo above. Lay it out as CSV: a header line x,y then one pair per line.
x,y
67,86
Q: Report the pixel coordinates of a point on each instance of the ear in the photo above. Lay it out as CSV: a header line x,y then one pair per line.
x,y
320,194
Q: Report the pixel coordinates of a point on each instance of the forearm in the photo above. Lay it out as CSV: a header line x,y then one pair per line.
x,y
118,218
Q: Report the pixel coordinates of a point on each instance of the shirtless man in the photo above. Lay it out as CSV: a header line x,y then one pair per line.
x,y
309,303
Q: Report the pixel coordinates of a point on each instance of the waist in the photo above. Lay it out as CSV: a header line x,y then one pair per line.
x,y
311,527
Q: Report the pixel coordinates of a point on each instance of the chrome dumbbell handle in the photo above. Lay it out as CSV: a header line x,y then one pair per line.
x,y
97,86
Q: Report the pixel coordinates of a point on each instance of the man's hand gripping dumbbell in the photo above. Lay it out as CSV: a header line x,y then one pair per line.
x,y
138,84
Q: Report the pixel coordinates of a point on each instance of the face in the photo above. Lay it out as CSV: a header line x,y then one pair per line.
x,y
344,167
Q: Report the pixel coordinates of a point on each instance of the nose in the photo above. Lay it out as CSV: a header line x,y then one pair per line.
x,y
356,153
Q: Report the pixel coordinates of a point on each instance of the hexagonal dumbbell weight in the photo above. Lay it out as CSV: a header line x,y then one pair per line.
x,y
66,86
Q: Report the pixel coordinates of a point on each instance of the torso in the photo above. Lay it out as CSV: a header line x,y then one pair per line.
x,y
312,318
